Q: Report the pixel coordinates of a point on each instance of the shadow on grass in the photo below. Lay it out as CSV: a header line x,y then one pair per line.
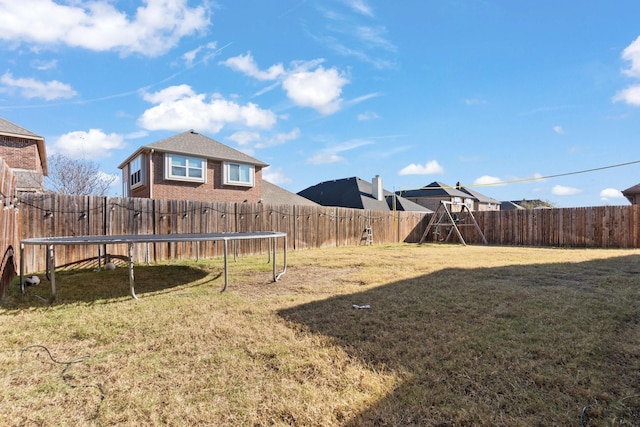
x,y
544,344
89,285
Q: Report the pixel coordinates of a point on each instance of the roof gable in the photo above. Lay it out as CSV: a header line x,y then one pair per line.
x,y
479,196
12,129
632,190
435,189
191,143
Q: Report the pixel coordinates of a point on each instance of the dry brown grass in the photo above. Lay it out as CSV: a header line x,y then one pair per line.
x,y
454,336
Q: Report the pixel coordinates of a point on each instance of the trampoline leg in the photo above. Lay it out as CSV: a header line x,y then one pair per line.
x,y
273,243
284,264
22,268
51,256
131,277
226,265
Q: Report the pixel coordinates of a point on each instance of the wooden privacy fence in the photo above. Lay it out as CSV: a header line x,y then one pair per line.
x,y
307,227
586,227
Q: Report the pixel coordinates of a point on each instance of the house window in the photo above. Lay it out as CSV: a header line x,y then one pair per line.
x,y
136,176
238,174
469,203
183,168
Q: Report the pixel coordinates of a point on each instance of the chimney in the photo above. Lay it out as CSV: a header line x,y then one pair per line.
x,y
377,192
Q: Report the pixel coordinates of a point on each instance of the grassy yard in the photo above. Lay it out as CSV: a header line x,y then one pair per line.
x,y
452,336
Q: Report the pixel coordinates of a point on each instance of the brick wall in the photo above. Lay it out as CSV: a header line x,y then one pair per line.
x,y
20,153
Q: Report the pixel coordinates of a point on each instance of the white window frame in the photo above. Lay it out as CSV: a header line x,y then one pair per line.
x,y
191,163
227,169
136,172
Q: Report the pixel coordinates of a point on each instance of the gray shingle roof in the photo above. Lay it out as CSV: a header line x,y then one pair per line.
x,y
509,206
195,144
479,196
435,189
274,195
356,193
8,128
632,190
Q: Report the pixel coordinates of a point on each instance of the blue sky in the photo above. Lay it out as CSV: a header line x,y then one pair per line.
x,y
495,94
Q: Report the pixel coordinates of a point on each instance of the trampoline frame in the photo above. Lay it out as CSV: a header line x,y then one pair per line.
x,y
130,240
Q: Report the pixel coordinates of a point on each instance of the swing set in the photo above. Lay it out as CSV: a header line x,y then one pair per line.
x,y
444,223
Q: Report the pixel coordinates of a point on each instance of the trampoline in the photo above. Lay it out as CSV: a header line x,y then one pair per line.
x,y
130,240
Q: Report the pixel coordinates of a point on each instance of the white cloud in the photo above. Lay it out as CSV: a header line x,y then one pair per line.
x,y
113,178
360,6
92,145
430,168
32,88
209,51
156,26
325,158
559,130
137,134
332,154
632,54
44,65
488,180
179,108
610,193
307,83
369,115
474,101
246,65
374,37
244,137
279,139
561,190
631,95
274,176
319,89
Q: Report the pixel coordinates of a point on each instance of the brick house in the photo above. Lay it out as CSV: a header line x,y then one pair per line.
x,y
24,152
191,166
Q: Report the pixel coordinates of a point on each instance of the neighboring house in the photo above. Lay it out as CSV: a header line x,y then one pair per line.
x,y
431,195
632,194
191,166
357,193
25,153
481,202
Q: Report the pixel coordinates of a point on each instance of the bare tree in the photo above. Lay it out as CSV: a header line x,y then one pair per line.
x,y
76,177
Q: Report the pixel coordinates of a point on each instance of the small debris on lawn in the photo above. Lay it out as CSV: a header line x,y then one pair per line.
x,y
361,306
32,281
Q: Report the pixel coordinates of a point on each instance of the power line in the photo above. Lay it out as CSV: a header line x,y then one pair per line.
x,y
539,178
